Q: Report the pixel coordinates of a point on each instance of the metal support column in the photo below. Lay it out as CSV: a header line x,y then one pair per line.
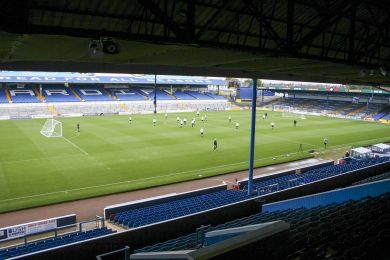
x,y
252,140
155,94
327,102
262,96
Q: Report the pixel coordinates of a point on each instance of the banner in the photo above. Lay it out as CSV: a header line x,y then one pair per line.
x,y
22,230
31,228
41,226
76,78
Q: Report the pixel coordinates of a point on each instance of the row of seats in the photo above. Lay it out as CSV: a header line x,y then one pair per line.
x,y
182,207
3,97
160,95
98,93
127,94
53,242
387,117
60,93
183,96
198,95
177,208
292,180
349,230
335,106
26,94
378,116
191,95
379,177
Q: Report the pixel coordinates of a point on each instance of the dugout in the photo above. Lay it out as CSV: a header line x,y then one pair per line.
x,y
381,148
361,153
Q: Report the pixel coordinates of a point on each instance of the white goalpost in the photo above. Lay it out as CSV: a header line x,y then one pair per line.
x,y
289,112
52,128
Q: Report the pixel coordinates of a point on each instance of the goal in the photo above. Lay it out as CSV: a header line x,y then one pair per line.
x,y
52,128
293,114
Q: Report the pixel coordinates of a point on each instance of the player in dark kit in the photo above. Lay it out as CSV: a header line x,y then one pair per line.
x,y
295,123
215,144
78,127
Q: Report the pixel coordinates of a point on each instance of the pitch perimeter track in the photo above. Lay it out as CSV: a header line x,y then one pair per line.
x,y
87,209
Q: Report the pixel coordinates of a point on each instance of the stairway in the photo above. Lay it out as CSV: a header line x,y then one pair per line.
x,y
75,93
6,90
39,96
357,111
124,107
108,93
52,110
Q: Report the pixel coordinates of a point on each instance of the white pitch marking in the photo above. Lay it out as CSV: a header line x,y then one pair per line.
x,y
40,158
77,135
75,145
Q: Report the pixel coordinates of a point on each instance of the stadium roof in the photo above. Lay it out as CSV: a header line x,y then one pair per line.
x,y
344,41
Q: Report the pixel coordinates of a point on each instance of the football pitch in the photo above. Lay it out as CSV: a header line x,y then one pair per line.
x,y
111,155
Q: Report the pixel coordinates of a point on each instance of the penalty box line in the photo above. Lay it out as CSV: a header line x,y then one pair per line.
x,y
75,145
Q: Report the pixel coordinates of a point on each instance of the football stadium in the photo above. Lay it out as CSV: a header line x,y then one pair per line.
x,y
194,130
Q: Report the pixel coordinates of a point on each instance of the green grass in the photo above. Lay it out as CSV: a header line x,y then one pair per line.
x,y
110,155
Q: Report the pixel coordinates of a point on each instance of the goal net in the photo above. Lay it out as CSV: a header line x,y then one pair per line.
x,y
289,112
52,128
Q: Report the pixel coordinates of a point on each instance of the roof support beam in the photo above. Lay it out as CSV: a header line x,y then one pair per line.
x,y
290,24
351,37
190,36
381,32
213,18
266,24
164,18
330,17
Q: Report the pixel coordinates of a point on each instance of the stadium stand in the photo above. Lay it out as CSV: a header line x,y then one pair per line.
x,y
173,209
379,116
183,207
214,96
26,94
59,93
3,97
109,107
198,95
160,94
351,229
126,94
354,105
379,177
53,242
264,186
183,96
387,117
92,93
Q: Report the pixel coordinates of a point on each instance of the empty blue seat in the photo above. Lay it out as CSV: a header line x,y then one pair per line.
x,y
53,242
